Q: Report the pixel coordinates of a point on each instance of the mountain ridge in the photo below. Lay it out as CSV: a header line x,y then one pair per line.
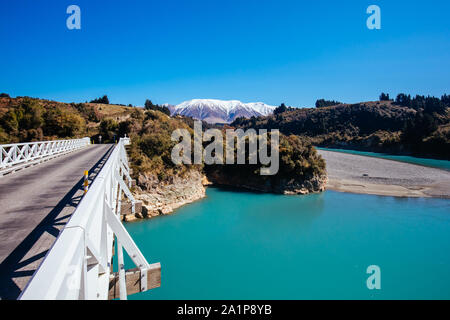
x,y
220,111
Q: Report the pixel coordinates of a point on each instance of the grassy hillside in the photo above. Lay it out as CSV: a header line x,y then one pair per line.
x,y
25,119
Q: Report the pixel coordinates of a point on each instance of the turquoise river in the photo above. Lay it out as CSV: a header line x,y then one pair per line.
x,y
235,244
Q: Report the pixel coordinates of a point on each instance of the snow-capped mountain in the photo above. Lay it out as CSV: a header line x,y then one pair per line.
x,y
219,111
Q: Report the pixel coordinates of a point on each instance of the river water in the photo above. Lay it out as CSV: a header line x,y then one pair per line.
x,y
242,245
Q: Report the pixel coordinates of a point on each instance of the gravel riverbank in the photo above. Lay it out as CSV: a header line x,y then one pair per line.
x,y
361,174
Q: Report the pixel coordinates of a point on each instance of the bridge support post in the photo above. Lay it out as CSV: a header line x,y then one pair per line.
x,y
149,275
127,192
136,280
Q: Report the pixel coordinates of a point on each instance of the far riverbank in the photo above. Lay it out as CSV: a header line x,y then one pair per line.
x,y
370,175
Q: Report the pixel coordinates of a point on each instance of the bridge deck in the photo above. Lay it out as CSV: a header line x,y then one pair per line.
x,y
35,204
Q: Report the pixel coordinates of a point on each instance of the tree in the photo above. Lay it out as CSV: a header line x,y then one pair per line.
x,y
148,105
418,102
446,100
433,104
403,100
25,117
4,95
103,100
421,126
326,103
61,122
282,108
108,129
384,96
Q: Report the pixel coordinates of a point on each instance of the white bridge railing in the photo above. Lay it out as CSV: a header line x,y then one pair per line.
x,y
17,156
78,266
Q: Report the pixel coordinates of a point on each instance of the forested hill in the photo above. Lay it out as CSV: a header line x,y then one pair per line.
x,y
419,126
25,119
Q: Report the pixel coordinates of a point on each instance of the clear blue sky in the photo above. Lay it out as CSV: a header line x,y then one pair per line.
x,y
270,51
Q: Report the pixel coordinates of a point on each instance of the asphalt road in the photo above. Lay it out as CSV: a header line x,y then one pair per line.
x,y
35,204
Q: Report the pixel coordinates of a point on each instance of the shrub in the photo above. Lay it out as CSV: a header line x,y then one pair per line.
x,y
108,129
28,115
62,123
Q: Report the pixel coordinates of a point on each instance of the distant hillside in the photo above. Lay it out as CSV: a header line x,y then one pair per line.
x,y
380,126
25,119
218,111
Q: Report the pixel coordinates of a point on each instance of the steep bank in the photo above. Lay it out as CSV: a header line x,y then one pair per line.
x,y
162,197
292,186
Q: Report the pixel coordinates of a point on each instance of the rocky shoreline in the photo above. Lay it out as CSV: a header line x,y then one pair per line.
x,y
160,198
284,186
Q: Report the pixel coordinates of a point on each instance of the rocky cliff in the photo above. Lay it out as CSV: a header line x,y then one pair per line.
x,y
163,197
281,186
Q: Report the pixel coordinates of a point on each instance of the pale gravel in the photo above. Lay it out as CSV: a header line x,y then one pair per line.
x,y
373,171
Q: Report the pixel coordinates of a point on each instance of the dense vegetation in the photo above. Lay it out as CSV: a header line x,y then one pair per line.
x,y
326,103
151,146
150,133
300,166
419,125
31,121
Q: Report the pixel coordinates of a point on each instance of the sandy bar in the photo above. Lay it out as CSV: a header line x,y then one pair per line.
x,y
369,175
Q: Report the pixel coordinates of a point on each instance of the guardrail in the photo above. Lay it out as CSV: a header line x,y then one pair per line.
x,y
78,266
20,155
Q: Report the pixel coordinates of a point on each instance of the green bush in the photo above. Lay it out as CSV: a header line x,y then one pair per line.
x,y
60,122
108,129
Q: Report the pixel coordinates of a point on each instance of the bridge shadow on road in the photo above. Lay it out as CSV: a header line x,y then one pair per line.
x,y
20,265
